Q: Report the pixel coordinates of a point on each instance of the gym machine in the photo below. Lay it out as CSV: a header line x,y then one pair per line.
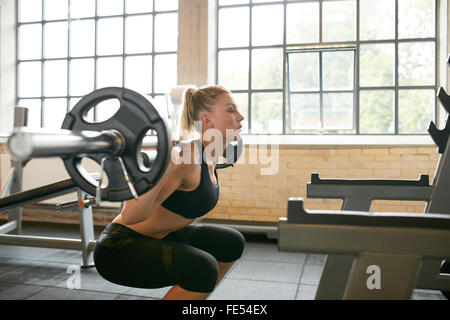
x,y
357,195
385,249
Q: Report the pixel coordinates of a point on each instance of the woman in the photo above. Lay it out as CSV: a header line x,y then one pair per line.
x,y
151,244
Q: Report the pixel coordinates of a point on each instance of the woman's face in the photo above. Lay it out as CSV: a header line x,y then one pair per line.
x,y
225,117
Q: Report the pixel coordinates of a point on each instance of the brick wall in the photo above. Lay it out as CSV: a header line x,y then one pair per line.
x,y
245,194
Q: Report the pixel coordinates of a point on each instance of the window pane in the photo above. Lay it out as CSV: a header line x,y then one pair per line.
x,y
233,69
415,110
339,20
109,7
416,19
138,73
338,110
241,101
73,102
82,41
163,104
135,28
55,78
338,70
166,32
267,68
267,113
304,71
264,33
377,64
166,5
376,111
377,19
228,2
55,9
109,72
304,111
34,111
30,41
302,22
29,79
82,8
165,72
234,27
81,76
416,63
55,40
55,111
110,36
137,6
30,10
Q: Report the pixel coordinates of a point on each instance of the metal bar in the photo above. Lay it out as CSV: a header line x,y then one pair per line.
x,y
8,227
380,192
42,242
38,194
20,117
8,183
86,231
16,187
24,145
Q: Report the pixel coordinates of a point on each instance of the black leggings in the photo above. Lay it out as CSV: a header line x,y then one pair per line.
x,y
187,257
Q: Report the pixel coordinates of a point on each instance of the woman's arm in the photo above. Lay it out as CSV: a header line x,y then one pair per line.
x,y
136,211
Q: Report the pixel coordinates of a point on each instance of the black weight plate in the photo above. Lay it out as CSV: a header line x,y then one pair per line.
x,y
135,117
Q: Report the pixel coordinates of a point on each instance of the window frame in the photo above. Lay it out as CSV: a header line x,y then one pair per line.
x,y
327,45
95,57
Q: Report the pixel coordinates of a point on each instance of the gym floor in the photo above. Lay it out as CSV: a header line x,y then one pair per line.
x,y
263,273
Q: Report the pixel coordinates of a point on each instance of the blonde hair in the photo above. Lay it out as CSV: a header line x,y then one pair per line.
x,y
197,100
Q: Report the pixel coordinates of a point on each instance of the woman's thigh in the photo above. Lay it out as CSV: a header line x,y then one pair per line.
x,y
225,244
143,262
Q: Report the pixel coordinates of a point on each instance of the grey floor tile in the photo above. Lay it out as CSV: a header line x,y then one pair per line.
x,y
266,271
311,274
66,256
29,253
149,293
18,271
90,280
306,292
12,291
47,274
316,259
236,289
130,297
419,294
270,252
67,294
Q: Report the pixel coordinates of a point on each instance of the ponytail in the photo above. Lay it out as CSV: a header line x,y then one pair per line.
x,y
196,100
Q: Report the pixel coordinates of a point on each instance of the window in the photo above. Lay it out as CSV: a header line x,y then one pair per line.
x,y
69,48
330,66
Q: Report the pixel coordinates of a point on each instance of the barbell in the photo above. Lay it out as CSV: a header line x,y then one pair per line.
x,y
115,144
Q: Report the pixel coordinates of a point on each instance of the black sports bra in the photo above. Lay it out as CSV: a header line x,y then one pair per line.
x,y
198,202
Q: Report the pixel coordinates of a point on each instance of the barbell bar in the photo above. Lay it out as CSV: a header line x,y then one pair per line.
x,y
24,144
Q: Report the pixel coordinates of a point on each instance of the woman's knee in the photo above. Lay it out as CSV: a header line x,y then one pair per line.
x,y
234,243
199,273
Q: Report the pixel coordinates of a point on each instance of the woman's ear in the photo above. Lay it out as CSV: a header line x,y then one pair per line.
x,y
206,121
